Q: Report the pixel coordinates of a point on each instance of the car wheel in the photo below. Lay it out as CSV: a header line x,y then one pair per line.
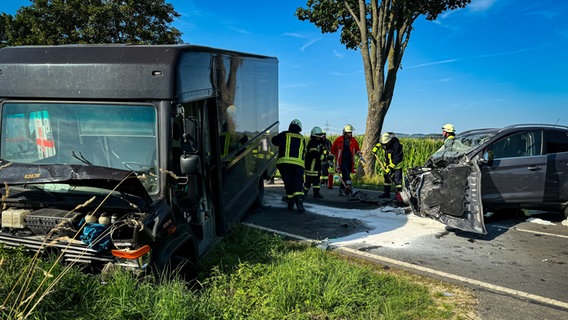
x,y
566,213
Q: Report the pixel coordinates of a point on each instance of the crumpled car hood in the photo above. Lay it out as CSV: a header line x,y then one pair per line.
x,y
13,173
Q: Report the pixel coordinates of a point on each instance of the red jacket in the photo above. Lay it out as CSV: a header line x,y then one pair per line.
x,y
337,149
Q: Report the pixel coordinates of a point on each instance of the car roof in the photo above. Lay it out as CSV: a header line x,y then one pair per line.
x,y
514,127
479,131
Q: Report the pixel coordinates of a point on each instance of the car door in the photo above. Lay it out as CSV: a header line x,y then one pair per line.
x,y
556,150
449,194
516,170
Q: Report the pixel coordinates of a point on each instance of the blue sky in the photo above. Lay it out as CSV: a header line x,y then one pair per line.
x,y
492,64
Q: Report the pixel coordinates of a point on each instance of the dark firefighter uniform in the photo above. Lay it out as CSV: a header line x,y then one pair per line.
x,y
315,155
290,163
393,162
327,163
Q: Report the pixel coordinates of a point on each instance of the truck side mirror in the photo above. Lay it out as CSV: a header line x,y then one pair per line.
x,y
189,164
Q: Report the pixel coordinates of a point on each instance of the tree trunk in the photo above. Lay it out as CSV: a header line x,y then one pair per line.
x,y
375,117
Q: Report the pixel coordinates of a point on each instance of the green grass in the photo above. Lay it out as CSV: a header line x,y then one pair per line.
x,y
249,275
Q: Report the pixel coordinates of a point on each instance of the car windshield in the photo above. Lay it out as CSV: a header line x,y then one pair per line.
x,y
109,135
462,145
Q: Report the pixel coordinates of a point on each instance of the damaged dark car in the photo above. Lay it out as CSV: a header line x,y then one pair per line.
x,y
519,166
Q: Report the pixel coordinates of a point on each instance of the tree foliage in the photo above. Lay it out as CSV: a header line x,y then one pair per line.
x,y
53,22
380,30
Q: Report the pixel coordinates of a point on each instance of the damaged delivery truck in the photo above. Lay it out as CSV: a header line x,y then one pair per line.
x,y
132,156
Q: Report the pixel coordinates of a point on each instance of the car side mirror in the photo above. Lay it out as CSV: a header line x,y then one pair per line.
x,y
189,164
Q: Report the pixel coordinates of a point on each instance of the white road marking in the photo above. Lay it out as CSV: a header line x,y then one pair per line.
x,y
535,232
474,282
379,258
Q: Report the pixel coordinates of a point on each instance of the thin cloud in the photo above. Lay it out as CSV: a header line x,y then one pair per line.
x,y
563,33
231,26
340,74
294,35
297,85
481,5
307,45
500,54
300,36
488,55
431,63
547,14
338,55
238,30
474,6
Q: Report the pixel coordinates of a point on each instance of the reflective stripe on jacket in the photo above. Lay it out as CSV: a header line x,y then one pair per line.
x,y
314,156
393,153
291,148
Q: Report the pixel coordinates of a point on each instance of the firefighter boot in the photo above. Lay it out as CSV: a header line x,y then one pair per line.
x,y
290,204
387,193
317,194
299,203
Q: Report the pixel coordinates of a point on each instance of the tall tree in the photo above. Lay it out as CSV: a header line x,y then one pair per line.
x,y
380,30
51,22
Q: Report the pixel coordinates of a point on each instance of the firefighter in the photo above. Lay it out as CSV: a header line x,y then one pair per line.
x,y
392,164
344,149
315,155
327,163
449,133
290,163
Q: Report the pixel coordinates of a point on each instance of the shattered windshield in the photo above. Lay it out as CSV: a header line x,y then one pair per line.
x,y
461,145
121,136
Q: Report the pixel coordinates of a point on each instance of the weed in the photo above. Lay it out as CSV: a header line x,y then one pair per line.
x,y
250,275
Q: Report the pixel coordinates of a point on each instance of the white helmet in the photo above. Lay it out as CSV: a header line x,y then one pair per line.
x,y
348,128
386,137
317,131
448,127
296,122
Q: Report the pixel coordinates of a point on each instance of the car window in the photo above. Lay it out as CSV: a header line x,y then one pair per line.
x,y
461,145
555,141
521,144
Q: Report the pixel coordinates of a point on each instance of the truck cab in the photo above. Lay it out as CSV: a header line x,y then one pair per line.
x,y
132,156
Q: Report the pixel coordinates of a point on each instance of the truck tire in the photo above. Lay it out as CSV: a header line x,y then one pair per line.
x,y
185,268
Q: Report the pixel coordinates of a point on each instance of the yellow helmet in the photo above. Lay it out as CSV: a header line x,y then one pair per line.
x,y
448,127
386,137
348,128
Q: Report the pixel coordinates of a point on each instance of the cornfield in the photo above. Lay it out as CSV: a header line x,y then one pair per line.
x,y
416,152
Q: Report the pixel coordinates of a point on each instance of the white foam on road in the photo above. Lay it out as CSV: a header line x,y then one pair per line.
x,y
541,221
389,226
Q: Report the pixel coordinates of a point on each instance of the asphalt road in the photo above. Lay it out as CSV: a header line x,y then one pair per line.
x,y
519,270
